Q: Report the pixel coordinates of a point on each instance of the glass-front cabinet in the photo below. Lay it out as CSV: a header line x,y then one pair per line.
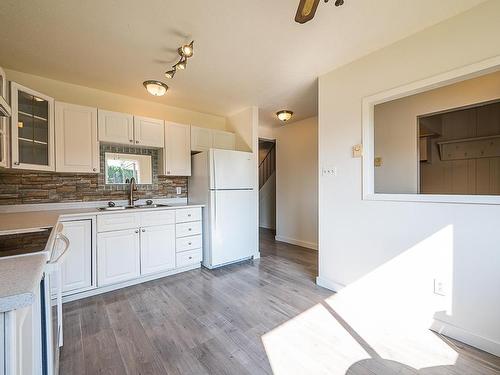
x,y
32,129
3,124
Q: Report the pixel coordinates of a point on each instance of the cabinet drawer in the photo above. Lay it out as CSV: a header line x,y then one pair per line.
x,y
187,258
109,222
157,218
187,214
188,243
188,229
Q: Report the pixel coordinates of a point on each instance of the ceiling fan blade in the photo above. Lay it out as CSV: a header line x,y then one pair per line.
x,y
306,10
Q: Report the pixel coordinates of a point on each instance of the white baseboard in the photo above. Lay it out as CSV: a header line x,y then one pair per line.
x,y
293,241
329,284
467,337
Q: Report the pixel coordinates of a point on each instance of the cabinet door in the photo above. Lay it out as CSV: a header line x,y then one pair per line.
x,y
149,132
4,151
157,248
177,153
118,256
223,140
201,139
115,127
77,149
76,269
32,129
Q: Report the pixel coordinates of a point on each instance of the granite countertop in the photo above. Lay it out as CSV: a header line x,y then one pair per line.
x,y
19,280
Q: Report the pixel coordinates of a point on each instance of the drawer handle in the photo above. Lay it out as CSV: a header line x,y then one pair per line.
x,y
189,243
189,215
144,230
189,229
137,231
190,257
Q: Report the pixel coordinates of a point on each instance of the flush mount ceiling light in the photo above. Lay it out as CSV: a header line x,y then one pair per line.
x,y
284,115
186,50
156,88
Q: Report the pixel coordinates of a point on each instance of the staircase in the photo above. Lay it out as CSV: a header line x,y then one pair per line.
x,y
267,166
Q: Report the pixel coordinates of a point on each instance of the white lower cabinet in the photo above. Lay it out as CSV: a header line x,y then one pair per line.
x,y
118,256
157,249
76,269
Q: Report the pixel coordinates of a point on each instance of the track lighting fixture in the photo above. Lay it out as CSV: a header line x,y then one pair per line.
x,y
170,74
186,50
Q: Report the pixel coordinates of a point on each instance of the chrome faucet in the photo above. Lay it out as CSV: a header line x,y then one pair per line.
x,y
132,188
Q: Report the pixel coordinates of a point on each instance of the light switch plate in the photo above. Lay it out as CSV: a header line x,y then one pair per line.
x,y
329,171
357,151
179,190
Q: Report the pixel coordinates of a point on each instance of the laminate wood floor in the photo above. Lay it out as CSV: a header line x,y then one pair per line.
x,y
258,317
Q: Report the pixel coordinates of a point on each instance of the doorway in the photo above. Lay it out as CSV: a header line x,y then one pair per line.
x,y
267,184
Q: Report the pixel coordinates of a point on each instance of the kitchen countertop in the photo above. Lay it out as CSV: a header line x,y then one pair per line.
x,y
19,279
30,221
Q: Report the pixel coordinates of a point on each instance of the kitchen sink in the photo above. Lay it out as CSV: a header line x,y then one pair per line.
x,y
118,208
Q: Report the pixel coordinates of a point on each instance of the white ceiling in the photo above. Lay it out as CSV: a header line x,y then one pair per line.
x,y
247,52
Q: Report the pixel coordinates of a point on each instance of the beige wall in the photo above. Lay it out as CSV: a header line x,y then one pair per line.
x,y
67,92
296,181
387,254
396,128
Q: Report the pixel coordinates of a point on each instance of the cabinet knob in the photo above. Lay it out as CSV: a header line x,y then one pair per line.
x,y
189,243
131,140
94,169
137,142
16,163
190,257
137,231
189,229
189,215
168,172
143,230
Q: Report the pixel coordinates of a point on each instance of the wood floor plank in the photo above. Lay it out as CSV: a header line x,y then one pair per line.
x,y
255,317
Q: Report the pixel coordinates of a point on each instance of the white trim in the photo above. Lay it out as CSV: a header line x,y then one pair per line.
x,y
368,106
329,284
460,334
143,279
294,241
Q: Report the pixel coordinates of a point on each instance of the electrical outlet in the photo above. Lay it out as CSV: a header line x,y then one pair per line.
x,y
439,287
178,190
331,171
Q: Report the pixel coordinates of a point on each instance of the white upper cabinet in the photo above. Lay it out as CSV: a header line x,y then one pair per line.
x,y
223,140
4,150
201,139
148,132
32,129
177,153
115,127
77,148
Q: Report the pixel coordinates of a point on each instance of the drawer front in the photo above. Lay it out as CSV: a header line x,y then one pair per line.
x,y
187,258
109,222
188,243
187,214
188,229
151,218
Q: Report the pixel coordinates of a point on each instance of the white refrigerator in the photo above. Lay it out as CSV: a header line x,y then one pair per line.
x,y
223,180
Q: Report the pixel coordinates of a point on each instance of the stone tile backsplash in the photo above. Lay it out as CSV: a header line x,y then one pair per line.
x,y
22,187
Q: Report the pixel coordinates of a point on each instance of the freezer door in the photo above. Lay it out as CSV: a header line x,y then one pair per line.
x,y
231,169
232,226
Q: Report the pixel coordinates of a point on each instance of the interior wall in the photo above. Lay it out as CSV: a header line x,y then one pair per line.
x,y
396,128
297,182
75,94
401,247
